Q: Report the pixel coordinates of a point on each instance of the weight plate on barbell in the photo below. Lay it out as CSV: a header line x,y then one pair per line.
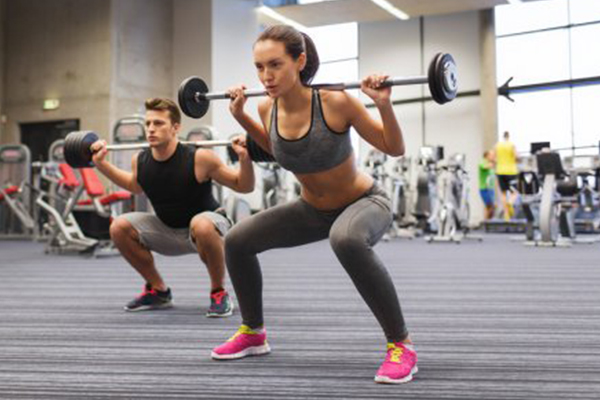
x,y
256,153
77,148
189,102
433,81
442,78
449,76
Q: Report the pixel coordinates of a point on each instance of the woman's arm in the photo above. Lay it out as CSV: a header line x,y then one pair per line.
x,y
255,129
385,135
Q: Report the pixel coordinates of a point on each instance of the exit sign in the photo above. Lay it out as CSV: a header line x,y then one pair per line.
x,y
51,104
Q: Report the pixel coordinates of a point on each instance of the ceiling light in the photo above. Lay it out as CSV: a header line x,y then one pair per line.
x,y
269,12
387,6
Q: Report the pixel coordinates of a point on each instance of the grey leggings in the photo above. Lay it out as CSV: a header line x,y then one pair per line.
x,y
352,231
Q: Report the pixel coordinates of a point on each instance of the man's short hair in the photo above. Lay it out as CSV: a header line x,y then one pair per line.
x,y
160,104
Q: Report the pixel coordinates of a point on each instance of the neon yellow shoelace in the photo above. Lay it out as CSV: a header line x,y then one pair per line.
x,y
396,352
244,329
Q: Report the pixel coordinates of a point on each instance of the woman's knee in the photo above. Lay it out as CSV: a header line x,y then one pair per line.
x,y
346,243
236,241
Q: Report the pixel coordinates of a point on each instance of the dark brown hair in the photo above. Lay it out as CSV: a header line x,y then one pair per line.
x,y
160,104
295,43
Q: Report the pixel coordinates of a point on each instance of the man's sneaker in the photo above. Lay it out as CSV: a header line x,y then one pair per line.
x,y
220,305
400,364
150,299
245,342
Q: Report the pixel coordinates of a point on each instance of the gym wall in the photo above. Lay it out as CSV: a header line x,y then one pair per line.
x,y
235,28
397,48
111,55
57,49
192,48
213,40
141,54
101,59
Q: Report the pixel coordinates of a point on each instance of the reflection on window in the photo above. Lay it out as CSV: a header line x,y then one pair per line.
x,y
584,50
584,11
531,16
328,43
339,58
537,117
549,45
537,57
586,118
339,71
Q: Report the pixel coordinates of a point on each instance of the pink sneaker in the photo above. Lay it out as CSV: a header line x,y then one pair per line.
x,y
400,364
245,342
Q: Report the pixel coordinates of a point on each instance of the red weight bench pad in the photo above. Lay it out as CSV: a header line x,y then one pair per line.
x,y
95,188
68,176
9,190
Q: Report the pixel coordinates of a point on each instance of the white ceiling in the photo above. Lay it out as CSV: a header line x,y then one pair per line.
x,y
339,11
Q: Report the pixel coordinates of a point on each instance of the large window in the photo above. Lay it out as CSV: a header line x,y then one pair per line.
x,y
541,43
339,58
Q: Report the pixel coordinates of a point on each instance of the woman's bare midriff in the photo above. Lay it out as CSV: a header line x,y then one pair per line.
x,y
336,187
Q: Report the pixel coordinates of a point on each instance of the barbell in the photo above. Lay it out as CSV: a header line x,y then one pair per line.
x,y
194,97
78,152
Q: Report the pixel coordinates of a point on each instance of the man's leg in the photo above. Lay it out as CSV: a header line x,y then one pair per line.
x,y
136,235
210,246
127,239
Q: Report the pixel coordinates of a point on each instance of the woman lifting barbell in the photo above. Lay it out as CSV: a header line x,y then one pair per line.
x,y
307,130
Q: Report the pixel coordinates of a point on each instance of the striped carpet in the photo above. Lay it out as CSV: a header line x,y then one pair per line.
x,y
491,320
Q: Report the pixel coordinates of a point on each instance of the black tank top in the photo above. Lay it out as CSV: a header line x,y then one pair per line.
x,y
172,188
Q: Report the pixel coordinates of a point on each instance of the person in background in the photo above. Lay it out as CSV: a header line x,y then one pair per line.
x,y
487,183
506,171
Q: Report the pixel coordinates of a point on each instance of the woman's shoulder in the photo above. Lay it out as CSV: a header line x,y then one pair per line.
x,y
338,100
334,97
265,104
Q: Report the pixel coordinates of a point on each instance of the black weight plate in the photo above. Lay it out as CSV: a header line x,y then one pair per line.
x,y
448,76
71,150
257,154
77,148
88,138
188,102
231,154
68,149
434,82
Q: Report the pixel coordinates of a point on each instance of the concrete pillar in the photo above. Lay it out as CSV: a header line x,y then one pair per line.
x,y
489,85
192,48
2,49
141,55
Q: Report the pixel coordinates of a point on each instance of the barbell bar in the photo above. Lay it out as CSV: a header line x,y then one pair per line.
x,y
194,96
78,152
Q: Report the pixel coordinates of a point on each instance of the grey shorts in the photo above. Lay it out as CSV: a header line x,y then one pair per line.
x,y
160,238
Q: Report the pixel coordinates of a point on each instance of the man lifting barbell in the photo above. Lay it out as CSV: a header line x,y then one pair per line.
x,y
177,180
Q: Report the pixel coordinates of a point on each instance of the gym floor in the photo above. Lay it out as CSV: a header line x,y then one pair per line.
x,y
491,320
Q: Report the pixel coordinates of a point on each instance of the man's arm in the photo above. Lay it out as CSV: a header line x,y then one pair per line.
x,y
126,180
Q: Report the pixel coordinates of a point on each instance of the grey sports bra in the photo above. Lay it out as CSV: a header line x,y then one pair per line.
x,y
319,150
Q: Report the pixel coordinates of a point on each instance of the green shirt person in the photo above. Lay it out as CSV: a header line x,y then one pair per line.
x,y
486,183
